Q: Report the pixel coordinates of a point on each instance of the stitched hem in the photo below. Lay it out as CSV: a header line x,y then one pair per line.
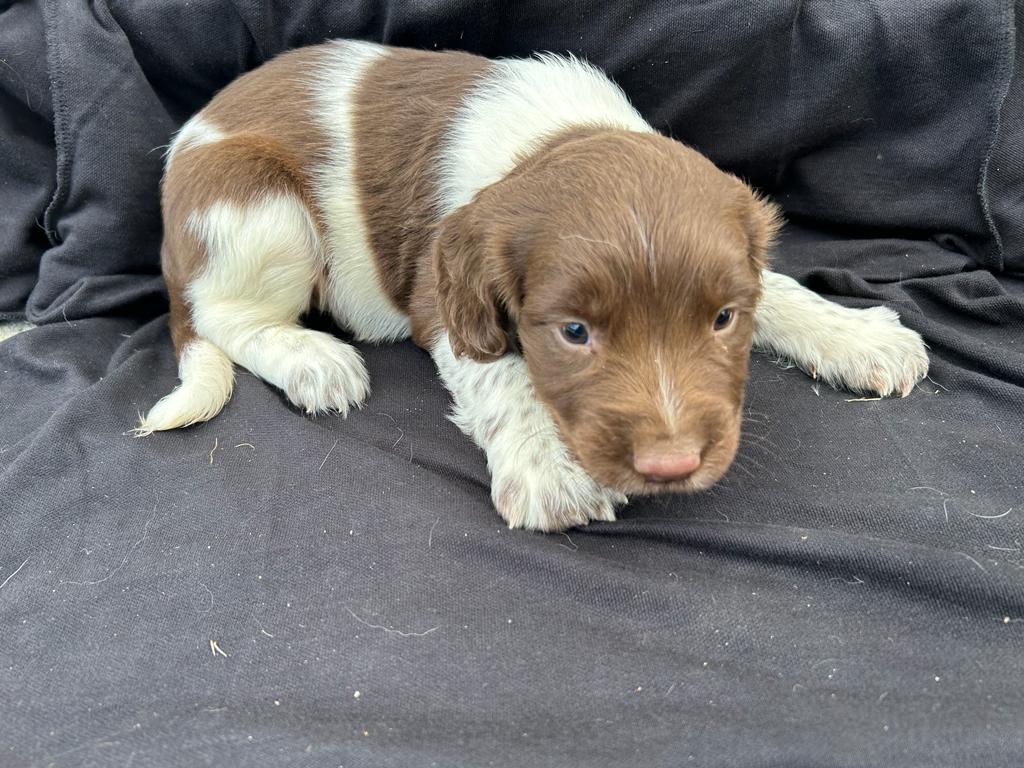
x,y
1005,74
57,77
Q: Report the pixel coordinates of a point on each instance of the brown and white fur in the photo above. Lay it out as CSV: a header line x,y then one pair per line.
x,y
479,207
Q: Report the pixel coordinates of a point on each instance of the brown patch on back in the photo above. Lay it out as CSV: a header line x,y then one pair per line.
x,y
240,169
402,111
276,101
273,144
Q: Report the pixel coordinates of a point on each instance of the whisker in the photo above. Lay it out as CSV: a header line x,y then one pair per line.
x,y
742,457
739,465
766,450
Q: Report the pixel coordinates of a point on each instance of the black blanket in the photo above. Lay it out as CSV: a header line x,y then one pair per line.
x,y
269,589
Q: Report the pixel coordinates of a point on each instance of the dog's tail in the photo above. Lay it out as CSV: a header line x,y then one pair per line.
x,y
207,378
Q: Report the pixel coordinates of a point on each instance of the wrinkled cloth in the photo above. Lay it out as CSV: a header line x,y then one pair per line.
x,y
270,589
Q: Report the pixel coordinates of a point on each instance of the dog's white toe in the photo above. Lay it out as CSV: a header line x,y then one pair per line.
x,y
861,350
326,375
544,489
869,351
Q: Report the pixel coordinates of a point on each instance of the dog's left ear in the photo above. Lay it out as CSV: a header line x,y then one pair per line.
x,y
763,220
478,272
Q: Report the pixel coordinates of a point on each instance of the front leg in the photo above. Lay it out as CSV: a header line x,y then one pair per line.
x,y
862,350
535,482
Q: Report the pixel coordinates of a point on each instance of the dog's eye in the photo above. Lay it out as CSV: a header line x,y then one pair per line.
x,y
723,319
575,333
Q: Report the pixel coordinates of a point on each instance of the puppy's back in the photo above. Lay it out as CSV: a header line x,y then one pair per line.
x,y
316,181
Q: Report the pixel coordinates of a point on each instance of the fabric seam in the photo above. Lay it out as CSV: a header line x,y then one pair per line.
x,y
999,99
57,79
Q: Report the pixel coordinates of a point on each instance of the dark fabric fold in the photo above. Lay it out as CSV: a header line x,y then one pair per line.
x,y
849,595
870,117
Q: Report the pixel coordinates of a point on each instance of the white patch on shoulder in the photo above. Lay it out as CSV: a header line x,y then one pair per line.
x,y
354,295
194,133
517,106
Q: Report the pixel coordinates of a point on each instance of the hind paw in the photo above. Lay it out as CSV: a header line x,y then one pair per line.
x,y
328,376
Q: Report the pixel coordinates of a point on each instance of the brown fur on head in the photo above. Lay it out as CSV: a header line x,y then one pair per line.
x,y
643,241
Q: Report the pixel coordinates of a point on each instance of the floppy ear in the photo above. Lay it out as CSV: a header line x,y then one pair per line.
x,y
763,222
476,281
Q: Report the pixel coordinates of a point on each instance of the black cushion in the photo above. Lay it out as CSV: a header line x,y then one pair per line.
x,y
269,589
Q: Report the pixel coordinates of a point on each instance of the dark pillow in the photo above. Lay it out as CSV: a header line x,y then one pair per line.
x,y
875,118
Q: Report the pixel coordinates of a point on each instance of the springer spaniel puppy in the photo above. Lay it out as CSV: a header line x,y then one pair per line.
x,y
589,289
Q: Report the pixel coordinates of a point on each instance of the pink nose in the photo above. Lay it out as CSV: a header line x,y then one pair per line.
x,y
664,468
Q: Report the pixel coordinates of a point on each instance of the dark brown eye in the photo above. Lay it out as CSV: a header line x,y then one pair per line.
x,y
723,319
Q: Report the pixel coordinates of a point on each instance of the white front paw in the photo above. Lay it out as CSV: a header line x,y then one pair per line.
x,y
869,351
542,488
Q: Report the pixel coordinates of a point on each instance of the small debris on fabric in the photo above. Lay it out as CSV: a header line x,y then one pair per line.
x,y
390,630
328,455
16,571
990,517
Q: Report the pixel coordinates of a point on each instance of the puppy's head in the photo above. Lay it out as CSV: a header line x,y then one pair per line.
x,y
628,268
